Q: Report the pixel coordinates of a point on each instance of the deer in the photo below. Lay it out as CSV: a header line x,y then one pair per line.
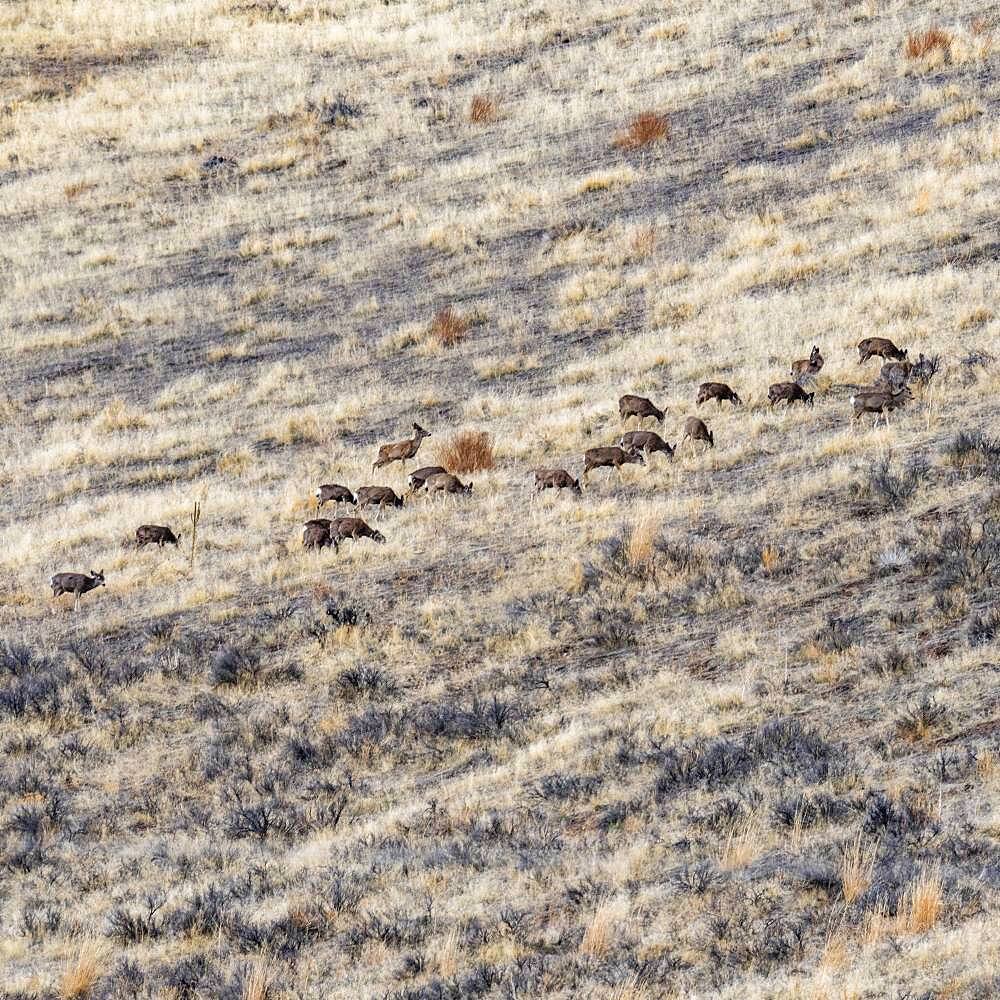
x,y
718,391
445,482
353,527
555,479
645,441
400,451
615,457
638,406
419,478
154,534
790,392
696,430
76,584
879,401
879,347
384,496
334,493
808,367
316,536
895,373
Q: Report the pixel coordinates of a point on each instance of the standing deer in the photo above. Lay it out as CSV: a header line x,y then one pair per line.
x,y
334,493
445,482
154,534
638,406
353,527
419,478
76,584
695,429
718,391
879,347
879,401
400,451
646,442
555,479
810,366
790,392
384,496
612,458
316,536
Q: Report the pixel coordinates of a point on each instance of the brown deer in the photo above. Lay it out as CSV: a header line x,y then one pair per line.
x,y
695,429
790,392
718,391
646,442
334,493
154,534
555,479
612,458
319,522
810,366
638,406
445,482
76,584
400,451
353,527
879,401
384,496
419,478
879,347
316,536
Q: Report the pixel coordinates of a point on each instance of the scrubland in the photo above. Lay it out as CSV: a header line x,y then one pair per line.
x,y
724,726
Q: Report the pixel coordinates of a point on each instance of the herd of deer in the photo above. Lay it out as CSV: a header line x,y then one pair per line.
x,y
887,393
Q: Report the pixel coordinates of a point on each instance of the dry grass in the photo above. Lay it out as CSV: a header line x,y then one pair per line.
x,y
923,905
856,868
448,328
483,110
922,43
84,973
467,451
642,131
533,744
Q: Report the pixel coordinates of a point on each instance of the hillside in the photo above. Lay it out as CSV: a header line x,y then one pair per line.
x,y
726,724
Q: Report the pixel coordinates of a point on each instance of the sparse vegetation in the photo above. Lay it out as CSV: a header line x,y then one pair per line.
x,y
720,726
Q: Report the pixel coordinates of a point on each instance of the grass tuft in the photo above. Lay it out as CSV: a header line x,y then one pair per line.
x,y
448,328
643,130
468,451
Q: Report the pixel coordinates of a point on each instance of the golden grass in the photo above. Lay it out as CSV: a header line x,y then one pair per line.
x,y
467,451
923,904
79,980
448,328
483,110
920,44
856,869
600,932
643,130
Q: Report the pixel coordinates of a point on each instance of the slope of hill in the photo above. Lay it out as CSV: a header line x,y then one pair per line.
x,y
727,724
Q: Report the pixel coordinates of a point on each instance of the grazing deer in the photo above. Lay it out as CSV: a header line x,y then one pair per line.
x,y
646,442
879,347
555,479
401,451
718,391
154,534
334,493
76,584
353,527
445,482
879,401
790,392
316,536
638,406
695,429
810,366
384,496
895,373
419,478
319,522
598,458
